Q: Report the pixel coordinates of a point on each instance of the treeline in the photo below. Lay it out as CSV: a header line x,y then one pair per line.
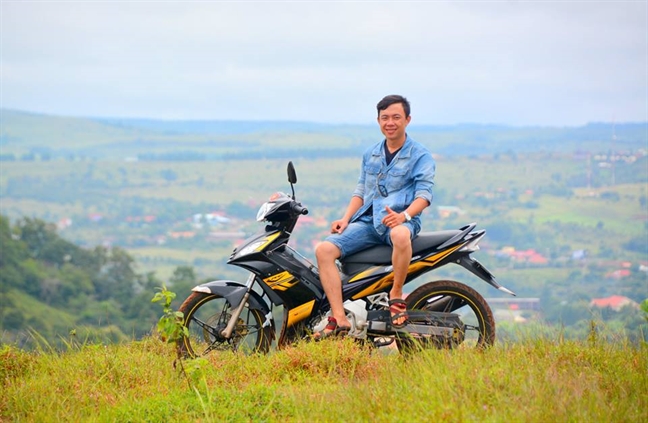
x,y
27,137
198,155
53,288
256,154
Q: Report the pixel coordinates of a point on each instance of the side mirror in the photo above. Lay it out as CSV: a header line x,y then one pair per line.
x,y
292,175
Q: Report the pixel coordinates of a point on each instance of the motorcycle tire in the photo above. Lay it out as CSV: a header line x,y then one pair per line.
x,y
206,315
447,296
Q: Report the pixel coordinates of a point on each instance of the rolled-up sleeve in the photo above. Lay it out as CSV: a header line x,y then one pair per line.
x,y
423,174
360,187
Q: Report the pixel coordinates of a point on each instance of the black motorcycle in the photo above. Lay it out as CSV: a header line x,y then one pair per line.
x,y
230,315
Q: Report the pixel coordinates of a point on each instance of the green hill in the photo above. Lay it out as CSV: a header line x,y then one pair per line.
x,y
25,134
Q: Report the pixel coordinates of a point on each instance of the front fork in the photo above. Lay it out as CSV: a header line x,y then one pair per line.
x,y
227,332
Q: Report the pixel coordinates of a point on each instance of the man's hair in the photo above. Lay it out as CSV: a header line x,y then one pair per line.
x,y
393,99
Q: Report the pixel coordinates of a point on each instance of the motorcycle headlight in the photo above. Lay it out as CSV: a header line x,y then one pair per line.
x,y
250,248
263,210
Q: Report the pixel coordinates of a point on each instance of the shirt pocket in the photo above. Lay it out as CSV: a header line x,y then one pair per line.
x,y
372,173
397,178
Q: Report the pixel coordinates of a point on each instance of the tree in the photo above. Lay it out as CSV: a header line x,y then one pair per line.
x,y
36,234
182,281
116,278
14,252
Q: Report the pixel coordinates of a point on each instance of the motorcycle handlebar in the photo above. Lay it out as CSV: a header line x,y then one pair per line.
x,y
297,208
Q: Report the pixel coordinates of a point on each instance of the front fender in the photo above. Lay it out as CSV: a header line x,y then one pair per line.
x,y
234,291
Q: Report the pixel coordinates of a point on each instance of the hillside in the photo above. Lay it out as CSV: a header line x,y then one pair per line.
x,y
565,209
25,134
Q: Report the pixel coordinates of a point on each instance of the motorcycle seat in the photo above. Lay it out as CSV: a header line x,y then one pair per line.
x,y
382,254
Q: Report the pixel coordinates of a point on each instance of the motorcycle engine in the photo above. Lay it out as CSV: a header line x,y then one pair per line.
x,y
356,312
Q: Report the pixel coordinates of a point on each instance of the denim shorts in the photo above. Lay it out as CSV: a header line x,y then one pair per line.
x,y
361,234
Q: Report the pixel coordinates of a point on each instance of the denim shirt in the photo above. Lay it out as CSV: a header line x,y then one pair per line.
x,y
410,175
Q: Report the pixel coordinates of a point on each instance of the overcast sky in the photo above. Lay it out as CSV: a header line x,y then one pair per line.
x,y
510,62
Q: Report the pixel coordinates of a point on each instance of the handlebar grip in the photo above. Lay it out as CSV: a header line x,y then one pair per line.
x,y
297,208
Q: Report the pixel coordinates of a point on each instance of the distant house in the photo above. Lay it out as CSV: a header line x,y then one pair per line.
x,y
65,222
515,303
448,211
615,302
212,219
618,274
537,258
148,218
525,256
579,254
182,234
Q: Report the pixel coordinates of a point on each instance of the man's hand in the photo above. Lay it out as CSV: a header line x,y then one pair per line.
x,y
339,226
393,219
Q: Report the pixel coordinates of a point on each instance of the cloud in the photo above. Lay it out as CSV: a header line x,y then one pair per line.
x,y
506,62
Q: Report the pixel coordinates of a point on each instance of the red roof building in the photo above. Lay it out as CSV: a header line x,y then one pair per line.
x,y
615,302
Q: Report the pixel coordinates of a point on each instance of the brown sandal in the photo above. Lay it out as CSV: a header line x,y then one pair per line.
x,y
331,330
398,310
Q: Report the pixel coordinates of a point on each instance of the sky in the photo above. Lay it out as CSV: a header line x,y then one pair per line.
x,y
508,62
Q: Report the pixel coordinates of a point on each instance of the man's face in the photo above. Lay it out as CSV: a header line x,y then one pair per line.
x,y
393,122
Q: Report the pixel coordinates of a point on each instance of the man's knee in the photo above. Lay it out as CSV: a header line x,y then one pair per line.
x,y
327,251
400,237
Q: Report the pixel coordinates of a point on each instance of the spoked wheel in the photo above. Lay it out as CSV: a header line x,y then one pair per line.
x,y
475,327
205,317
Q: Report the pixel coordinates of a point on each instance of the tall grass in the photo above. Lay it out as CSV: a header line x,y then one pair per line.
x,y
531,381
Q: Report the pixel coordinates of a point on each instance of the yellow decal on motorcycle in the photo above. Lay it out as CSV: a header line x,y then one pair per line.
x,y
268,240
386,282
281,281
432,260
380,285
299,313
435,258
365,274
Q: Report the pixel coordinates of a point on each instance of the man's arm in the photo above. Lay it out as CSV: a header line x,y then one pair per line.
x,y
418,205
354,205
423,173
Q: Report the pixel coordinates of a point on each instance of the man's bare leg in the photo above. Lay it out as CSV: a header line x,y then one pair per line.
x,y
401,257
326,254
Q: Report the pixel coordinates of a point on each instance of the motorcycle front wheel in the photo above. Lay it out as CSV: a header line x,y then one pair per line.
x,y
478,324
205,317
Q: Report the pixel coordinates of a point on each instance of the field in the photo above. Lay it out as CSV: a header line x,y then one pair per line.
x,y
535,381
516,194
552,194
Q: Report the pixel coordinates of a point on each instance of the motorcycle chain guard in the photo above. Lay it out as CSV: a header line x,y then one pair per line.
x,y
425,324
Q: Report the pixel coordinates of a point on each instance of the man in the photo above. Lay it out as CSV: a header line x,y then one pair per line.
x,y
394,187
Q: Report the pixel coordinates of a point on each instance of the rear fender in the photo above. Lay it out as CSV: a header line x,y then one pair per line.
x,y
477,269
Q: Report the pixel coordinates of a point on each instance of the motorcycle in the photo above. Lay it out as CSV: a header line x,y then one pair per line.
x,y
229,315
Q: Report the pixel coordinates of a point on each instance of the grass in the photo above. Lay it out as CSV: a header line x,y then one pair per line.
x,y
533,381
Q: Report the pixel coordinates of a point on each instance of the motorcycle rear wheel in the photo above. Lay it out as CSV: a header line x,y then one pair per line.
x,y
206,315
452,297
